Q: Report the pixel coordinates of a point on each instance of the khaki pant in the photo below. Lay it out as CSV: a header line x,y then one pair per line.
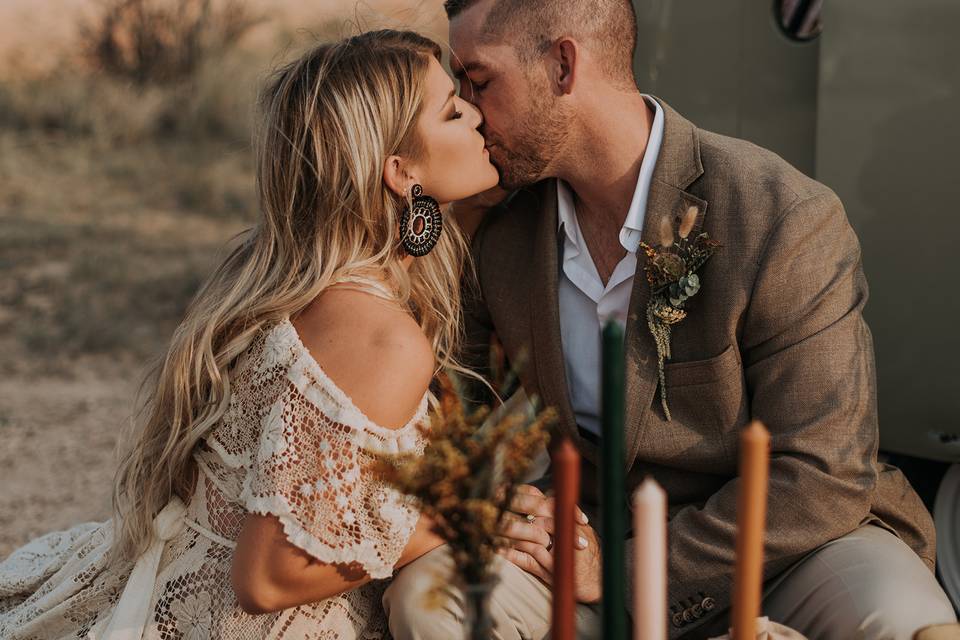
x,y
867,584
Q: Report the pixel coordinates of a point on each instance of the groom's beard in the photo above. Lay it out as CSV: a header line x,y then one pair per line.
x,y
534,141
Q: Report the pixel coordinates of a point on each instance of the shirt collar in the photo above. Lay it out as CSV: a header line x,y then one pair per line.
x,y
632,228
566,216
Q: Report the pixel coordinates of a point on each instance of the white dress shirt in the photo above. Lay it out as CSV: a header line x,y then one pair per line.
x,y
585,303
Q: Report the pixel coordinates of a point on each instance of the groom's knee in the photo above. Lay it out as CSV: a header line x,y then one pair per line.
x,y
415,609
867,584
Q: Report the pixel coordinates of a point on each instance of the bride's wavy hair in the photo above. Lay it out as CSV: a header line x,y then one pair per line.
x,y
329,121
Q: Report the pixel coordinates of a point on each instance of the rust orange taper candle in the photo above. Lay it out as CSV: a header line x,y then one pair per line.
x,y
566,489
751,521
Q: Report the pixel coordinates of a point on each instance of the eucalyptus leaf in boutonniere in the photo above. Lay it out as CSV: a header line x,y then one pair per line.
x,y
671,271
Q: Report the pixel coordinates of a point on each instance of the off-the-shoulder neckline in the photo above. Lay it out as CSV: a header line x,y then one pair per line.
x,y
341,396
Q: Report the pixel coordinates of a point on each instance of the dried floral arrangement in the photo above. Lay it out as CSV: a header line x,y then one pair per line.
x,y
671,271
466,477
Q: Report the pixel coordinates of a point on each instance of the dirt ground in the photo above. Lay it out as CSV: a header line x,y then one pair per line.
x,y
96,268
57,453
97,265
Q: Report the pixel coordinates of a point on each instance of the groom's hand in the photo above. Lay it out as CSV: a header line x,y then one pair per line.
x,y
529,539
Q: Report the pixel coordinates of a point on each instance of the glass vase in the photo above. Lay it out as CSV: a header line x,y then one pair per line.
x,y
477,624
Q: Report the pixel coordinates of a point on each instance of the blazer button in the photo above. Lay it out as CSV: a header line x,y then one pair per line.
x,y
688,615
697,610
708,604
677,620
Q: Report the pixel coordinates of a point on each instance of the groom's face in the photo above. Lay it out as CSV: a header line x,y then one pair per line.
x,y
523,123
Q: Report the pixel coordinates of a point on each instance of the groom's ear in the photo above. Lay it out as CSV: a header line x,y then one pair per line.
x,y
563,58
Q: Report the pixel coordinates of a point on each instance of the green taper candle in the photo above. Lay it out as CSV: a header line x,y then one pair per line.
x,y
614,500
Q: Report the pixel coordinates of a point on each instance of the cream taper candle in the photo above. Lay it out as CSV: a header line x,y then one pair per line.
x,y
650,562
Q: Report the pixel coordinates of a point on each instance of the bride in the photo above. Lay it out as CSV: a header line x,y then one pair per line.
x,y
246,505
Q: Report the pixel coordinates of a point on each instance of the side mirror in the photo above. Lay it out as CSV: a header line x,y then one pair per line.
x,y
799,20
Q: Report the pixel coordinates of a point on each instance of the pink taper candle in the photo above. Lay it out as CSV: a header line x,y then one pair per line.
x,y
566,487
751,522
650,561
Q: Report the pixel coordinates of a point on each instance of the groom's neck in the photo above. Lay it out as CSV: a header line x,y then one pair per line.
x,y
604,154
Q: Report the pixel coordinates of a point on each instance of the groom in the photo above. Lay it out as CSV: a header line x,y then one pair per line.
x,y
775,333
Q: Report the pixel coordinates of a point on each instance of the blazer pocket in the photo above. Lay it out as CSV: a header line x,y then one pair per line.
x,y
707,398
696,372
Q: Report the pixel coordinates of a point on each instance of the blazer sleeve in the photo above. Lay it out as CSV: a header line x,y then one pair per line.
x,y
810,376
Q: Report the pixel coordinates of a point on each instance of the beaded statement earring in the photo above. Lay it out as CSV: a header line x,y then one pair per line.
x,y
420,223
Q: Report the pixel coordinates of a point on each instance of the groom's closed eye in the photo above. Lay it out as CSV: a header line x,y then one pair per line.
x,y
481,77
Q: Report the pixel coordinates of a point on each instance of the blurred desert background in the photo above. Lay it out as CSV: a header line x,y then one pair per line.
x,y
125,169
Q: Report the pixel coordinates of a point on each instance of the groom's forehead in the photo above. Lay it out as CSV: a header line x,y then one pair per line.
x,y
482,59
474,43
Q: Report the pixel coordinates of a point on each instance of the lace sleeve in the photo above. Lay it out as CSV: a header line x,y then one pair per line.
x,y
312,468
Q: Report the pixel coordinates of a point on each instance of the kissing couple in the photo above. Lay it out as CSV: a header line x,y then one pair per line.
x,y
246,505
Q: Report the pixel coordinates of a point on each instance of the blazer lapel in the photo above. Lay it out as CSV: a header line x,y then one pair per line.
x,y
678,165
547,355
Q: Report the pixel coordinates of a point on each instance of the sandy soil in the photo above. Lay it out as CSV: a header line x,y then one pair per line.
x,y
58,437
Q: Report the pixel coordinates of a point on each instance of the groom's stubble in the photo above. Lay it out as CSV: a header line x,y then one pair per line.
x,y
527,151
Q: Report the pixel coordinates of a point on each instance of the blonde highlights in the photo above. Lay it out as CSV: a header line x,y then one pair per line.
x,y
330,119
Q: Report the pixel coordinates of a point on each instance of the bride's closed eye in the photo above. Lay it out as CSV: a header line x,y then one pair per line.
x,y
457,113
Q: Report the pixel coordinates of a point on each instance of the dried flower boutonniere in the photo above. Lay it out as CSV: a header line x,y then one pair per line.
x,y
671,271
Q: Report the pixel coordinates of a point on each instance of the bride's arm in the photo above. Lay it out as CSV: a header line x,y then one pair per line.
x,y
271,574
382,360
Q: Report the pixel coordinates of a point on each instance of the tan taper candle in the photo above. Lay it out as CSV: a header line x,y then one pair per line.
x,y
650,561
751,521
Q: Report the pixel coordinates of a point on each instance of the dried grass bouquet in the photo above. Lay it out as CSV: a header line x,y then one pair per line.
x,y
467,476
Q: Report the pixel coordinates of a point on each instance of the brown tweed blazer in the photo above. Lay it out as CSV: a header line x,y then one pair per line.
x,y
776,333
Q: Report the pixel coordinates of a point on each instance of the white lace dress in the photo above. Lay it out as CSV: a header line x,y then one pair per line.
x,y
292,445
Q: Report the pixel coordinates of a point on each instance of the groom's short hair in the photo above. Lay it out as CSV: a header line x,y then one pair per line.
x,y
610,26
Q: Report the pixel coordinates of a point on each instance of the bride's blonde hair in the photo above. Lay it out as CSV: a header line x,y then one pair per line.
x,y
330,120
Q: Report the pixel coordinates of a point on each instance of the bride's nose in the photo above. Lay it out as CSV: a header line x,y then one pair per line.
x,y
477,114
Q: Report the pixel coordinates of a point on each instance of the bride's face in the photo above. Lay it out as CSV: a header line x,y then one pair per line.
x,y
455,164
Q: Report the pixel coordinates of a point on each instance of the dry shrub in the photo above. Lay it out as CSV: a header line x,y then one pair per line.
x,y
150,70
216,103
88,106
163,41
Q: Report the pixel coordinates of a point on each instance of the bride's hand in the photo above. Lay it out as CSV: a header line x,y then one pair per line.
x,y
529,527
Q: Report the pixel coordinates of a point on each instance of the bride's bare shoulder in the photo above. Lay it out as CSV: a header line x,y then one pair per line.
x,y
376,353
